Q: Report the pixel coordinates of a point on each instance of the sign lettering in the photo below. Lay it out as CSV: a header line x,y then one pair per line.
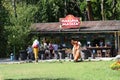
x,y
70,22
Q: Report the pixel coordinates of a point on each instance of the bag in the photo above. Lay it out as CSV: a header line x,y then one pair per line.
x,y
51,47
35,45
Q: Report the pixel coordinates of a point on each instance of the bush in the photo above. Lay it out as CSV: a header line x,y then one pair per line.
x,y
115,65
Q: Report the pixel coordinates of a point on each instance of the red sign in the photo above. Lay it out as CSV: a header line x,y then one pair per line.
x,y
70,22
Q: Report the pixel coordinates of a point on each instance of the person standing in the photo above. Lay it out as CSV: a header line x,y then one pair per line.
x,y
29,52
36,49
76,50
51,49
56,50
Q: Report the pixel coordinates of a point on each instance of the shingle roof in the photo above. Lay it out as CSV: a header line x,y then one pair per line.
x,y
101,25
112,25
46,26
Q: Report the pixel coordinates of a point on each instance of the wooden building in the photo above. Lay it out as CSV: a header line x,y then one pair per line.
x,y
88,31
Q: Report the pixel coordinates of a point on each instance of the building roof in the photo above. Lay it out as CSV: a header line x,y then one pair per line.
x,y
86,26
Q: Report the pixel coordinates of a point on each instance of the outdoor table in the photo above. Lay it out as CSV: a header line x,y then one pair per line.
x,y
101,49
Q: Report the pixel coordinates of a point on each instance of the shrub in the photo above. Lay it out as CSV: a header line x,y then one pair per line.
x,y
115,65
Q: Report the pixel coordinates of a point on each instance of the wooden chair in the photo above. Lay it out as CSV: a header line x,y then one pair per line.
x,y
107,54
99,53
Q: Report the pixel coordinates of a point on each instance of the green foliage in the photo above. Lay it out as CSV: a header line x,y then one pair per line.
x,y
48,11
96,8
110,9
4,21
117,13
19,29
16,16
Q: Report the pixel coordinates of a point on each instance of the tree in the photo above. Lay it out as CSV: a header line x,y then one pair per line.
x,y
48,11
17,16
19,27
111,9
4,21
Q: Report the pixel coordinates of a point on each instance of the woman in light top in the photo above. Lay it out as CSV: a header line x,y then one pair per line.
x,y
36,49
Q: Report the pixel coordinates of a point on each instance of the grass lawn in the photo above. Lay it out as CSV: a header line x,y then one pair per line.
x,y
59,71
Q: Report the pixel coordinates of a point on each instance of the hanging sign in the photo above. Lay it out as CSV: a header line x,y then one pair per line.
x,y
70,22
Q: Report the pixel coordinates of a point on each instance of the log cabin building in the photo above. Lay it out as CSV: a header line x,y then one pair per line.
x,y
90,33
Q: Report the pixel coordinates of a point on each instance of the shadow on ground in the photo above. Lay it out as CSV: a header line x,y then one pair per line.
x,y
42,79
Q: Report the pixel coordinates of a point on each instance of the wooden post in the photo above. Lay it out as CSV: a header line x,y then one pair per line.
x,y
119,42
116,42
